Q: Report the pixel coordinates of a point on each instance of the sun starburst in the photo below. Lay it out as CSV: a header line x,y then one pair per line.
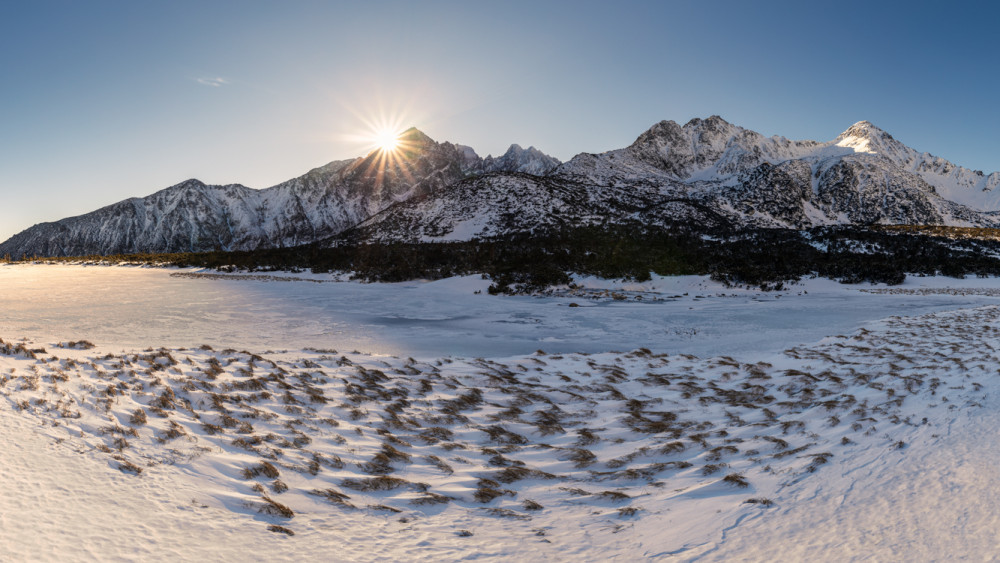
x,y
386,140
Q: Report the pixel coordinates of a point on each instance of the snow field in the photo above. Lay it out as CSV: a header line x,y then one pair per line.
x,y
574,456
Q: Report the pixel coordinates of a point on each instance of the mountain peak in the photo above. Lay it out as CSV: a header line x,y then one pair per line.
x,y
863,130
713,122
518,159
191,183
863,136
414,136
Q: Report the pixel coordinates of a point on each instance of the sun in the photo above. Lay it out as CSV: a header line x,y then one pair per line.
x,y
386,140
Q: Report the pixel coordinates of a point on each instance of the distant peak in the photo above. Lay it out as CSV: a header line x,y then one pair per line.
x,y
414,135
863,136
863,130
713,122
190,183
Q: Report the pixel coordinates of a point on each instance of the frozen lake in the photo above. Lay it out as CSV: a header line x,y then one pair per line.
x,y
135,307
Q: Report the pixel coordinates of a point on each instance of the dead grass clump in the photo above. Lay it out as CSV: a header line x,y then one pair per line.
x,y
506,513
501,435
817,460
214,368
280,530
580,457
587,438
765,502
121,430
379,483
252,384
138,417
380,464
711,468
165,400
333,496
717,453
788,425
465,401
672,447
175,431
431,498
126,466
627,511
736,479
779,444
332,461
249,443
393,454
529,504
265,468
440,464
77,345
434,434
516,473
384,508
549,421
17,350
791,452
613,496
488,490
273,508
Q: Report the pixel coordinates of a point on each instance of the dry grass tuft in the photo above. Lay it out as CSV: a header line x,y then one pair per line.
x,y
380,483
274,508
736,479
265,468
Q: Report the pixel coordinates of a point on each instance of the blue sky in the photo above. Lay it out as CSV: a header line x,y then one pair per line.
x,y
105,100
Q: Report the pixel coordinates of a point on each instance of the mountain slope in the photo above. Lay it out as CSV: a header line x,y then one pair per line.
x,y
707,170
192,216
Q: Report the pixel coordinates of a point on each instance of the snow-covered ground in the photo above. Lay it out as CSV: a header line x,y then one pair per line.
x,y
281,418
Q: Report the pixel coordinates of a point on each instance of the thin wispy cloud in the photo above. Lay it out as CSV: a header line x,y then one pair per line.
x,y
213,82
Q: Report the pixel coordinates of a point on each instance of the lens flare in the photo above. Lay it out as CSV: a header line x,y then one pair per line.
x,y
391,149
386,140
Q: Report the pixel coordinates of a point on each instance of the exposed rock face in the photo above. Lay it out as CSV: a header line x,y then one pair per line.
x,y
529,160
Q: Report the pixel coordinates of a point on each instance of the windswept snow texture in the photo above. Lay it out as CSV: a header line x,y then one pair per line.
x,y
868,438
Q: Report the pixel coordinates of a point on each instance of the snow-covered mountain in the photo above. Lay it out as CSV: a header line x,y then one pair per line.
x,y
530,160
706,172
193,216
